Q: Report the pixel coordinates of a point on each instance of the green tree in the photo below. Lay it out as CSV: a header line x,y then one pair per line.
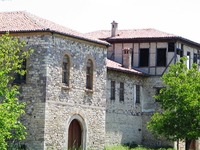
x,y
180,102
12,54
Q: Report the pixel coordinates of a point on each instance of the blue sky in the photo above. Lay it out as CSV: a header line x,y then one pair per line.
x,y
180,17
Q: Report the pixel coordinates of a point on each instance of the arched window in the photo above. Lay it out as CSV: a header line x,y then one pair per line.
x,y
65,70
89,74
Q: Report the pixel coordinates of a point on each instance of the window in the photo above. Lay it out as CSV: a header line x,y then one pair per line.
x,y
121,92
89,74
65,70
179,52
171,47
112,90
144,57
161,57
137,94
188,60
20,78
195,58
182,46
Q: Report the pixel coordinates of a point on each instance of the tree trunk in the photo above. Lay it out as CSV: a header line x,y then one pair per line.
x,y
187,143
177,145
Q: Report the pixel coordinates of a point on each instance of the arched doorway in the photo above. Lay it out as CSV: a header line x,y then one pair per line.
x,y
74,135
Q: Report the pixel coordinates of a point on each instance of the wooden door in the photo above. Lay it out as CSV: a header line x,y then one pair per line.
x,y
74,135
193,145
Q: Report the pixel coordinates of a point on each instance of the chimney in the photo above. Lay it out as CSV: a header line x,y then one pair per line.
x,y
114,28
126,56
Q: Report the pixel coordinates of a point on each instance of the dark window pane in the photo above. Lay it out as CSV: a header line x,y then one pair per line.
x,y
195,58
121,91
65,66
137,94
161,57
179,52
89,74
144,57
65,78
171,47
112,90
18,79
65,70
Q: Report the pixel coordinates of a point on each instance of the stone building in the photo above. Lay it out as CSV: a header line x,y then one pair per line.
x,y
94,89
136,60
65,84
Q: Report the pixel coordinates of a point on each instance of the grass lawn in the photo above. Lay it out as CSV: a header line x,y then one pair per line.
x,y
120,147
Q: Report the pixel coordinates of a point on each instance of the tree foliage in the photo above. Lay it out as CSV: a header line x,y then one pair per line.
x,y
12,54
180,102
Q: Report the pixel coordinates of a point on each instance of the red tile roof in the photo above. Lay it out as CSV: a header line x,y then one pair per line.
x,y
131,34
22,21
138,34
112,65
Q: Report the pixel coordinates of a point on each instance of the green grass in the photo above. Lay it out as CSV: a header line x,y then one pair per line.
x,y
120,147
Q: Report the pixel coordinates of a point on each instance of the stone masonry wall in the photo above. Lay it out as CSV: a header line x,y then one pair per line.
x,y
50,105
65,103
123,119
33,92
149,107
126,121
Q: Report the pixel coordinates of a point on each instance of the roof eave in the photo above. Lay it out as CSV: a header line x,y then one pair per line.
x,y
188,41
128,72
142,39
151,39
61,33
81,38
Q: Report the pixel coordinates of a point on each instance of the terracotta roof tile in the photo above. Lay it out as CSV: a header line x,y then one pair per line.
x,y
118,67
137,34
131,34
21,21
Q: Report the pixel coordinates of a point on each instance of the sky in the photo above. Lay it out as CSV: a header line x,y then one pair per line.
x,y
179,17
